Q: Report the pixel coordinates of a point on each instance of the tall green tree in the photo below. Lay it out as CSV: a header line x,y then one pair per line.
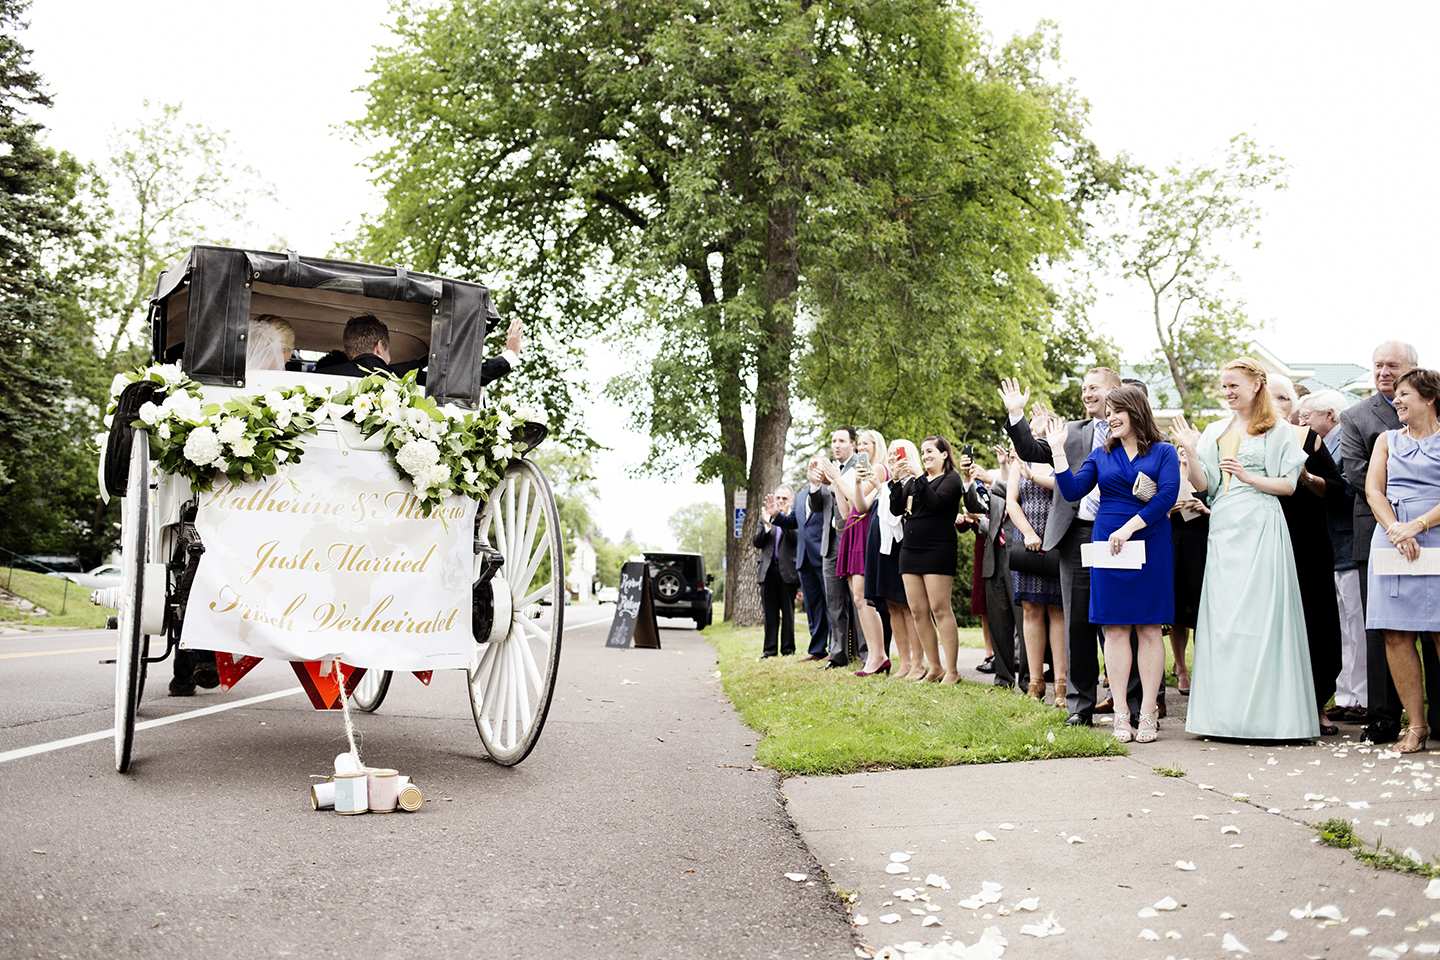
x,y
702,528
716,175
1172,240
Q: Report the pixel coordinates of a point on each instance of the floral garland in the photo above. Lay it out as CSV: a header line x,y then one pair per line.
x,y
442,451
245,439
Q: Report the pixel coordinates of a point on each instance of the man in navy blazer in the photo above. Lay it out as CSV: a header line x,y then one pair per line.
x,y
777,576
810,532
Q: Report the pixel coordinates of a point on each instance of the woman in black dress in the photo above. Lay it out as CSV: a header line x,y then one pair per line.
x,y
930,502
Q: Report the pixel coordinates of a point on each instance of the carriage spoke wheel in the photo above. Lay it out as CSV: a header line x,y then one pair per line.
x,y
130,644
371,689
512,677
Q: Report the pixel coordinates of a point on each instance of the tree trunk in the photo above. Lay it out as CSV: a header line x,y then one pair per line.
x,y
772,401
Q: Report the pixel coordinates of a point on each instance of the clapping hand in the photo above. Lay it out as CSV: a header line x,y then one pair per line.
x,y
1058,432
772,506
813,474
1013,398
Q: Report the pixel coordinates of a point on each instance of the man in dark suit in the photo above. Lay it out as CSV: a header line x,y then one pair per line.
x,y
1000,606
367,343
809,566
777,575
1070,525
1361,425
846,642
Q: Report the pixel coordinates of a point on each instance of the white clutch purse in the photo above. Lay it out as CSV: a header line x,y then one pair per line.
x,y
1145,487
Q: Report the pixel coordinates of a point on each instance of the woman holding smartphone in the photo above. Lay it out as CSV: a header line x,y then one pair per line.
x,y
883,583
930,502
855,493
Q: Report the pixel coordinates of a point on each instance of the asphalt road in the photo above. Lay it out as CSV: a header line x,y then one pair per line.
x,y
637,828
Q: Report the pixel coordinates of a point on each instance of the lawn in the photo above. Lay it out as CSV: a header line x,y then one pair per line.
x,y
50,594
831,721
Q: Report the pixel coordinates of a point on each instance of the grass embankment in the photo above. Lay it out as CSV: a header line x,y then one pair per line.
x,y
831,721
49,593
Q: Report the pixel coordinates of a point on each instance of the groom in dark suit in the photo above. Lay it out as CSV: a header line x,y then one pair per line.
x,y
777,575
1070,525
1361,426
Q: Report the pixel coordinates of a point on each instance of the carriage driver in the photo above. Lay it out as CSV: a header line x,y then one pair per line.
x,y
367,343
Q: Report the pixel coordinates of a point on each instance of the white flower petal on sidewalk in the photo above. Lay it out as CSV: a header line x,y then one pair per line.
x,y
935,880
890,918
1384,953
899,858
1185,864
797,877
930,922
1048,927
1230,828
916,912
1358,804
1414,854
1328,912
1383,823
1385,912
1148,934
1029,903
1432,892
972,904
984,836
1204,786
1420,819
1147,912
1427,948
1314,796
896,868
1277,936
1199,816
1168,903
908,895
1157,793
1236,846
1007,826
1231,945
1227,915
1074,839
860,921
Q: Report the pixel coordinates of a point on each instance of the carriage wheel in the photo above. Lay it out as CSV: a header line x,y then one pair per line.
x,y
130,645
512,677
371,690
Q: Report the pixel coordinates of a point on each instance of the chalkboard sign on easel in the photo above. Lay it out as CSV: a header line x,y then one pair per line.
x,y
634,614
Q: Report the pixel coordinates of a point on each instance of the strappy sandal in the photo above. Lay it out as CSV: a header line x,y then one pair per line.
x,y
1420,735
1122,727
1060,691
1037,691
1149,727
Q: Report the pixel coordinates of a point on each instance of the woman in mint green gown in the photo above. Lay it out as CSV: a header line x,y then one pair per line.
x,y
1252,677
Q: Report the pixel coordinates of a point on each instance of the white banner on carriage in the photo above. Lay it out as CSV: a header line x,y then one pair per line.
x,y
334,560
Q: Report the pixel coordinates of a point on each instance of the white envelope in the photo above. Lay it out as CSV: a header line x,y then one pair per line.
x,y
1130,557
1388,562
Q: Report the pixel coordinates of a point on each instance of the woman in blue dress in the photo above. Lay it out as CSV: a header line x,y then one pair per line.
x,y
1403,488
1138,474
1252,677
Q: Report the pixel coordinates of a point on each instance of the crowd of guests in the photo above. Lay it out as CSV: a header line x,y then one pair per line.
x,y
1292,539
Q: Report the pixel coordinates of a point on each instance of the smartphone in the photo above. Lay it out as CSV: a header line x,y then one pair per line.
x,y
864,461
968,451
900,454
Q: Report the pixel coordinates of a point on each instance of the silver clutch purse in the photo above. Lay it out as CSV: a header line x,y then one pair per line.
x,y
1145,487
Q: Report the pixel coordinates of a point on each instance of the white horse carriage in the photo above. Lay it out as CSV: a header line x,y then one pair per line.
x,y
357,527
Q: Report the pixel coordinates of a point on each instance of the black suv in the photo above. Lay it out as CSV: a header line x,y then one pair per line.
x,y
679,586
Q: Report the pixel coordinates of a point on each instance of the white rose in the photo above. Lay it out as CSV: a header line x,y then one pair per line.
x,y
503,431
471,476
163,431
282,418
501,452
221,464
416,456
184,407
109,419
170,373
244,447
273,400
149,412
118,385
230,429
202,447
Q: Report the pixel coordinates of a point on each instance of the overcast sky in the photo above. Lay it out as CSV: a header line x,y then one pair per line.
x,y
1346,94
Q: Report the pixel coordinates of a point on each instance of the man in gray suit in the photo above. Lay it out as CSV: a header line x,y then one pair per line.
x,y
839,605
1070,525
1361,425
1000,604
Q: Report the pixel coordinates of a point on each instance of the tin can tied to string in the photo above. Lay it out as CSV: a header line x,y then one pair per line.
x,y
351,793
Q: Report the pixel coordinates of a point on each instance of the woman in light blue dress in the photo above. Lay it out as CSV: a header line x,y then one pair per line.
x,y
1403,488
1251,678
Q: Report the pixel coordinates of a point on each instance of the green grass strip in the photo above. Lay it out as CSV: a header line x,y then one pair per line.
x,y
49,594
1338,832
830,721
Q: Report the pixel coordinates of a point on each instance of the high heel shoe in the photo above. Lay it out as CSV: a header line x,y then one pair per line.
x,y
1420,735
1060,692
883,668
1149,727
1122,727
1037,691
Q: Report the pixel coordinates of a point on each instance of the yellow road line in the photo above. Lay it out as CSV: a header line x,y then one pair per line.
x,y
51,653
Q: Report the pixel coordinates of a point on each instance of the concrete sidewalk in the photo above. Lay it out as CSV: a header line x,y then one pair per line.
x,y
1098,843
